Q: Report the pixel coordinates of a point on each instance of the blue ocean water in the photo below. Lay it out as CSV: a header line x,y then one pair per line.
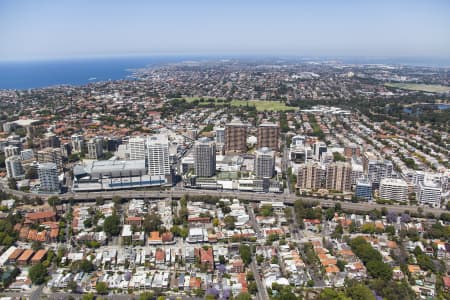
x,y
36,74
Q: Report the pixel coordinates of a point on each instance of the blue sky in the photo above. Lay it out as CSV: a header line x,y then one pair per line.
x,y
62,29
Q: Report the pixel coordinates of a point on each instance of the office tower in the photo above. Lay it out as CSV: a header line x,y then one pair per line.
x,y
11,151
113,143
158,155
352,150
264,163
298,140
297,153
310,176
220,135
95,148
363,189
48,176
66,149
269,136
77,143
8,127
236,137
318,149
429,192
357,170
27,154
338,177
53,140
205,157
14,167
376,168
50,155
136,146
393,189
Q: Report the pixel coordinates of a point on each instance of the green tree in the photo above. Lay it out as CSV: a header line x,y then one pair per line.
x,y
53,201
99,201
102,288
331,294
37,274
245,253
360,292
89,296
12,183
112,225
243,296
152,222
72,286
230,222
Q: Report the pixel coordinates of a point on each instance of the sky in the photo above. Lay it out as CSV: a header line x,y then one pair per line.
x,y
33,30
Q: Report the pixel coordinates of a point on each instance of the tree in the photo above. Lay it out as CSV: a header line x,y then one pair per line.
x,y
37,273
112,225
243,296
229,222
379,269
89,296
331,294
102,288
152,222
72,286
12,183
53,201
146,296
266,210
99,201
245,253
86,266
360,292
36,245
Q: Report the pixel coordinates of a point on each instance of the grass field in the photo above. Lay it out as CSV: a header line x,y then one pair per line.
x,y
261,105
431,88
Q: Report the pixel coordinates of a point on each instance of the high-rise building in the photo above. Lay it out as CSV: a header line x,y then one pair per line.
x,y
269,136
310,176
429,192
11,151
376,168
158,155
14,167
95,148
77,143
27,154
264,163
50,140
136,146
357,170
363,189
48,176
352,150
338,177
393,189
50,155
205,157
319,148
220,135
236,137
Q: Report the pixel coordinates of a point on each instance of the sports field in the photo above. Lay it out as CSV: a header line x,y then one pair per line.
x,y
430,88
261,105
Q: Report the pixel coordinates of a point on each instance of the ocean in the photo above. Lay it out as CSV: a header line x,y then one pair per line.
x,y
37,74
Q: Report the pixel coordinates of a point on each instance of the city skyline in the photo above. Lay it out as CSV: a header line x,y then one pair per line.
x,y
50,30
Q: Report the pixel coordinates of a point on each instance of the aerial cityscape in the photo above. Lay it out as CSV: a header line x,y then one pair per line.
x,y
267,175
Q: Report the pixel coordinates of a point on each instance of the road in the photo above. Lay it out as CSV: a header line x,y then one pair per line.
x,y
176,192
262,291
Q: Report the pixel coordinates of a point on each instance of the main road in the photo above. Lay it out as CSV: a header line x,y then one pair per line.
x,y
176,192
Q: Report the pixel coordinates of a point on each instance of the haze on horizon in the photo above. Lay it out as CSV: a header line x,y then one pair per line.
x,y
45,29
